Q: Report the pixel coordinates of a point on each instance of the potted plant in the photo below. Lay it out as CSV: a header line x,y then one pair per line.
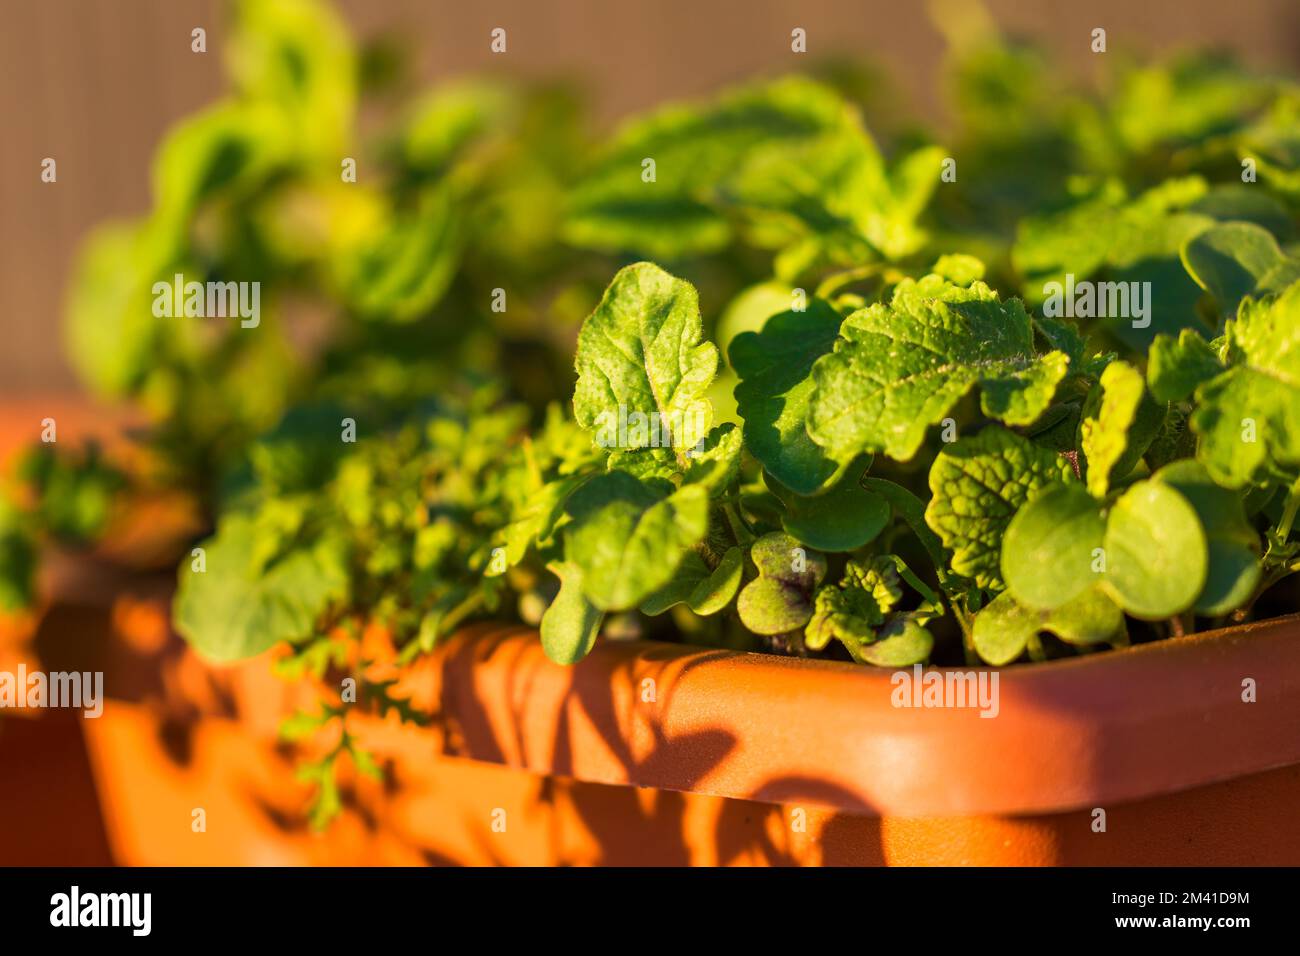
x,y
966,536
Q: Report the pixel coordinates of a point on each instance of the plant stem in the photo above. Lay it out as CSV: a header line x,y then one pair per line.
x,y
1289,512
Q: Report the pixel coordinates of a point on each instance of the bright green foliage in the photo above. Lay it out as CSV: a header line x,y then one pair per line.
x,y
776,386
570,624
902,367
1098,479
1233,546
1236,259
977,485
1052,549
641,361
627,539
1155,551
780,599
1118,424
1176,367
1006,628
1246,417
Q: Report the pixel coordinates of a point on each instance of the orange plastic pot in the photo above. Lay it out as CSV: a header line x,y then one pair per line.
x,y
660,754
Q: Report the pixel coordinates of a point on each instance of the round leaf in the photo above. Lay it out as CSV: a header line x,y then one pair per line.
x,y
1155,551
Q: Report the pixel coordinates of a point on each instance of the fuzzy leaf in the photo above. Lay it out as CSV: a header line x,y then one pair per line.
x,y
900,368
902,643
978,484
640,353
628,539
780,599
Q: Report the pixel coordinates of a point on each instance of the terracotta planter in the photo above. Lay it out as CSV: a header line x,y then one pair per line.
x,y
659,754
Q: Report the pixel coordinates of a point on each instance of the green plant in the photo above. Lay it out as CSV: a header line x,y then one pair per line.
x,y
861,410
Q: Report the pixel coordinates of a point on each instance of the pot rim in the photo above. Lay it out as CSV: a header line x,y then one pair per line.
x,y
1092,731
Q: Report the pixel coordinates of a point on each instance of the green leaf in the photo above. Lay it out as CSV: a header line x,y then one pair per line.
x,y
1118,425
400,274
1176,367
18,559
695,148
715,463
297,55
912,510
1236,259
540,515
959,269
1109,236
843,518
247,601
628,539
1246,417
640,354
776,388
780,599
852,611
978,484
705,591
1005,627
902,643
902,367
570,625
1155,551
1051,547
1233,546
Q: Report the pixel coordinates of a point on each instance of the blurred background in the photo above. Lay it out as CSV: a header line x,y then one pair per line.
x,y
95,83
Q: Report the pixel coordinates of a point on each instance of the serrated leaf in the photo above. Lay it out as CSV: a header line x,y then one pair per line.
x,y
1155,552
901,368
715,462
977,485
1176,367
775,390
1050,548
1118,424
640,354
851,611
570,625
1248,417
242,605
628,539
